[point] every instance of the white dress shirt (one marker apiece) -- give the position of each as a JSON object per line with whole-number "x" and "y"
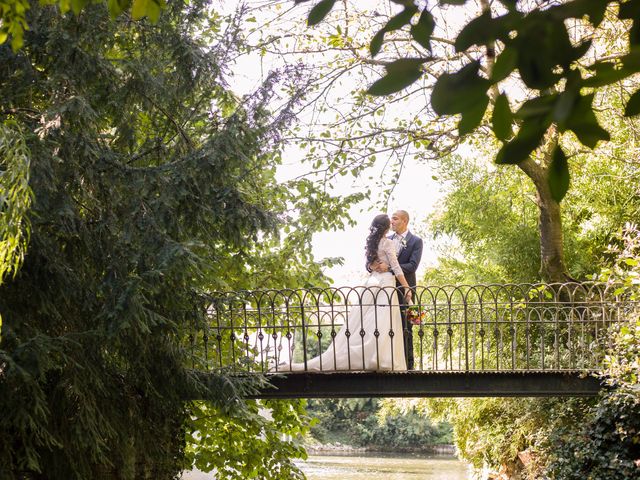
{"x": 397, "y": 241}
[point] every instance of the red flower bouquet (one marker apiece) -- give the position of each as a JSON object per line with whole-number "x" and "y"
{"x": 416, "y": 314}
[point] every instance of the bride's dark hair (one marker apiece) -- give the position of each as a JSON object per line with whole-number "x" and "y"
{"x": 378, "y": 228}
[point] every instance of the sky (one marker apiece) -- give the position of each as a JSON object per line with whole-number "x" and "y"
{"x": 416, "y": 192}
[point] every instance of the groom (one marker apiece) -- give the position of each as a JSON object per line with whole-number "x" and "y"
{"x": 409, "y": 250}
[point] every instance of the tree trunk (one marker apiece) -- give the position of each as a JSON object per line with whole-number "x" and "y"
{"x": 552, "y": 264}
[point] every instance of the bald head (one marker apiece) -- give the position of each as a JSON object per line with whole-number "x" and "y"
{"x": 404, "y": 214}
{"x": 400, "y": 221}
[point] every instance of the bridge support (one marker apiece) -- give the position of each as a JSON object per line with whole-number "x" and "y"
{"x": 425, "y": 384}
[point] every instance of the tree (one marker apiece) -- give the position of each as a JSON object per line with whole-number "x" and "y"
{"x": 497, "y": 243}
{"x": 366, "y": 422}
{"x": 16, "y": 198}
{"x": 533, "y": 39}
{"x": 558, "y": 72}
{"x": 550, "y": 46}
{"x": 152, "y": 184}
{"x": 607, "y": 443}
{"x": 247, "y": 443}
{"x": 13, "y": 14}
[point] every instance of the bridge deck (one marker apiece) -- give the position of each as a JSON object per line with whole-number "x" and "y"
{"x": 426, "y": 384}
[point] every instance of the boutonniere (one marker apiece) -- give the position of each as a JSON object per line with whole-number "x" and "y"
{"x": 403, "y": 243}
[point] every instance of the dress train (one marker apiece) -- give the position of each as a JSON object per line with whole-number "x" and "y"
{"x": 370, "y": 339}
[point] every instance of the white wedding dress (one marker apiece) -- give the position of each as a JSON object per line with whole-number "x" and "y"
{"x": 372, "y": 336}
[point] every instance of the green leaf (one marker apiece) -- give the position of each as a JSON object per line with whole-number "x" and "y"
{"x": 505, "y": 64}
{"x": 319, "y": 11}
{"x": 471, "y": 117}
{"x": 484, "y": 29}
{"x": 401, "y": 19}
{"x": 595, "y": 9}
{"x": 581, "y": 49}
{"x": 537, "y": 107}
{"x": 634, "y": 32}
{"x": 633, "y": 105}
{"x": 481, "y": 30}
{"x": 527, "y": 140}
{"x": 542, "y": 45}
{"x": 456, "y": 92}
{"x": 453, "y": 2}
{"x": 502, "y": 118}
{"x": 631, "y": 61}
{"x": 606, "y": 72}
{"x": 629, "y": 10}
{"x": 17, "y": 40}
{"x": 477, "y": 32}
{"x": 393, "y": 82}
{"x": 116, "y": 7}
{"x": 510, "y": 4}
{"x": 558, "y": 178}
{"x": 559, "y": 47}
{"x": 139, "y": 9}
{"x": 64, "y": 5}
{"x": 564, "y": 106}
{"x": 395, "y": 23}
{"x": 376, "y": 43}
{"x": 154, "y": 8}
{"x": 400, "y": 74}
{"x": 422, "y": 31}
{"x": 3, "y": 37}
{"x": 584, "y": 124}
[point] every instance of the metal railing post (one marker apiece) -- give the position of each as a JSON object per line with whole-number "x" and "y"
{"x": 466, "y": 333}
{"x": 304, "y": 335}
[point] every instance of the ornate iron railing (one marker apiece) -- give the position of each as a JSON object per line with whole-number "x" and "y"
{"x": 468, "y": 328}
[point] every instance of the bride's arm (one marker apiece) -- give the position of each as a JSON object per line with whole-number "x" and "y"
{"x": 390, "y": 251}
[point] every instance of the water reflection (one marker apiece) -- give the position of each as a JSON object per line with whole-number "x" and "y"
{"x": 379, "y": 467}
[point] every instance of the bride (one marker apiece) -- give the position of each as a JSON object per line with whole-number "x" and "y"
{"x": 372, "y": 336}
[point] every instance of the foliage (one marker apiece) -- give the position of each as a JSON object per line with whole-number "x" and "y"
{"x": 607, "y": 445}
{"x": 247, "y": 444}
{"x": 375, "y": 138}
{"x": 499, "y": 242}
{"x": 596, "y": 438}
{"x": 624, "y": 266}
{"x": 491, "y": 244}
{"x": 152, "y": 186}
{"x": 348, "y": 138}
{"x": 491, "y": 431}
{"x": 13, "y": 14}
{"x": 15, "y": 198}
{"x": 366, "y": 422}
{"x": 539, "y": 42}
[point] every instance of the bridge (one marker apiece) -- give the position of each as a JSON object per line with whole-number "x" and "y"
{"x": 468, "y": 340}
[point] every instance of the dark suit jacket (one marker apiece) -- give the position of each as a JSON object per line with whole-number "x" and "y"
{"x": 409, "y": 257}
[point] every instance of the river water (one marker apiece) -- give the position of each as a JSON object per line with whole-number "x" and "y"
{"x": 372, "y": 467}
{"x": 384, "y": 467}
